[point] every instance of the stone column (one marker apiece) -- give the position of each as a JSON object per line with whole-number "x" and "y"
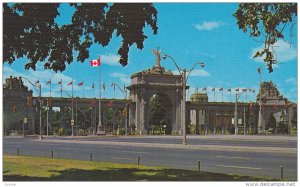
{"x": 137, "y": 114}
{"x": 197, "y": 122}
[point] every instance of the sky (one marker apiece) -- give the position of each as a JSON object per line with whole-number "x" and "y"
{"x": 189, "y": 33}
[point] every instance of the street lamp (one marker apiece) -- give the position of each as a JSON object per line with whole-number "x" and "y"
{"x": 184, "y": 81}
{"x": 237, "y": 96}
{"x": 125, "y": 96}
{"x": 72, "y": 121}
{"x": 40, "y": 102}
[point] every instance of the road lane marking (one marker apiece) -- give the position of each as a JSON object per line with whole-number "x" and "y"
{"x": 118, "y": 158}
{"x": 234, "y": 157}
{"x": 134, "y": 152}
{"x": 238, "y": 167}
{"x": 65, "y": 148}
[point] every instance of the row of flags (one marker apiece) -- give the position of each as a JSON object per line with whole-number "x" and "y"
{"x": 82, "y": 83}
{"x": 229, "y": 89}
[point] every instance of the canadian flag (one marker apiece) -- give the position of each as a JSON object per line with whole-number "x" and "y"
{"x": 95, "y": 62}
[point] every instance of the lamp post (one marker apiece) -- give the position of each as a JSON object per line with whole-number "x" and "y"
{"x": 40, "y": 102}
{"x": 125, "y": 97}
{"x": 237, "y": 96}
{"x": 72, "y": 120}
{"x": 185, "y": 77}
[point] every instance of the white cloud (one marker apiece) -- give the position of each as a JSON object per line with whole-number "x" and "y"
{"x": 110, "y": 59}
{"x": 283, "y": 51}
{"x": 123, "y": 77}
{"x": 209, "y": 25}
{"x": 291, "y": 80}
{"x": 43, "y": 76}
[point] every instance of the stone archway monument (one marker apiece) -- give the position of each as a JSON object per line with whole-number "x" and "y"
{"x": 147, "y": 83}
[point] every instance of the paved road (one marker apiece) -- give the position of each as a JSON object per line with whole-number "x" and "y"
{"x": 229, "y": 159}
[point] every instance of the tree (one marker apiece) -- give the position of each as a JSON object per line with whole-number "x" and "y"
{"x": 30, "y": 30}
{"x": 157, "y": 111}
{"x": 271, "y": 124}
{"x": 266, "y": 20}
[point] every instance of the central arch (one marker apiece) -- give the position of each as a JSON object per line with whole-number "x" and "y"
{"x": 143, "y": 86}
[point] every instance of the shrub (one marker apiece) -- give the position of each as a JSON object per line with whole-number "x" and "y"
{"x": 82, "y": 132}
{"x": 61, "y": 132}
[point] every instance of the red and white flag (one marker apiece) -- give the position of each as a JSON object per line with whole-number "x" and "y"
{"x": 95, "y": 63}
{"x": 80, "y": 84}
{"x": 70, "y": 83}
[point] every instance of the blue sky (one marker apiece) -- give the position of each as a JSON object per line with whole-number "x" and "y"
{"x": 189, "y": 32}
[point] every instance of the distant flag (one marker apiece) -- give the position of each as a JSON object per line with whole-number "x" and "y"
{"x": 204, "y": 89}
{"x": 244, "y": 90}
{"x": 237, "y": 89}
{"x": 91, "y": 103}
{"x": 59, "y": 82}
{"x": 95, "y": 63}
{"x": 229, "y": 90}
{"x": 93, "y": 85}
{"x": 80, "y": 84}
{"x": 49, "y": 82}
{"x": 110, "y": 104}
{"x": 250, "y": 105}
{"x": 103, "y": 86}
{"x": 37, "y": 82}
{"x": 221, "y": 89}
{"x": 258, "y": 70}
{"x": 70, "y": 83}
{"x": 213, "y": 89}
{"x": 253, "y": 90}
{"x": 112, "y": 84}
{"x": 196, "y": 90}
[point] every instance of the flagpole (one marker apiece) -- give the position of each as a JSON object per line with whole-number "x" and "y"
{"x": 72, "y": 123}
{"x": 99, "y": 124}
{"x": 50, "y": 87}
{"x": 61, "y": 88}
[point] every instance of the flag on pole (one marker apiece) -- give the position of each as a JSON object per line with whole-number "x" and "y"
{"x": 91, "y": 103}
{"x": 37, "y": 82}
{"x": 204, "y": 89}
{"x": 213, "y": 89}
{"x": 258, "y": 70}
{"x": 49, "y": 82}
{"x": 110, "y": 104}
{"x": 95, "y": 63}
{"x": 59, "y": 82}
{"x": 237, "y": 89}
{"x": 70, "y": 83}
{"x": 80, "y": 84}
{"x": 104, "y": 86}
{"x": 229, "y": 90}
{"x": 93, "y": 85}
{"x": 244, "y": 90}
{"x": 221, "y": 89}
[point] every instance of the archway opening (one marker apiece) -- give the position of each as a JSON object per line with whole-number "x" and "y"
{"x": 160, "y": 115}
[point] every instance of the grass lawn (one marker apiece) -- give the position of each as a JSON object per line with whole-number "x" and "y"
{"x": 27, "y": 168}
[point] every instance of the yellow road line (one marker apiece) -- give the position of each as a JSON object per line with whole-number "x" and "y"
{"x": 234, "y": 157}
{"x": 238, "y": 167}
